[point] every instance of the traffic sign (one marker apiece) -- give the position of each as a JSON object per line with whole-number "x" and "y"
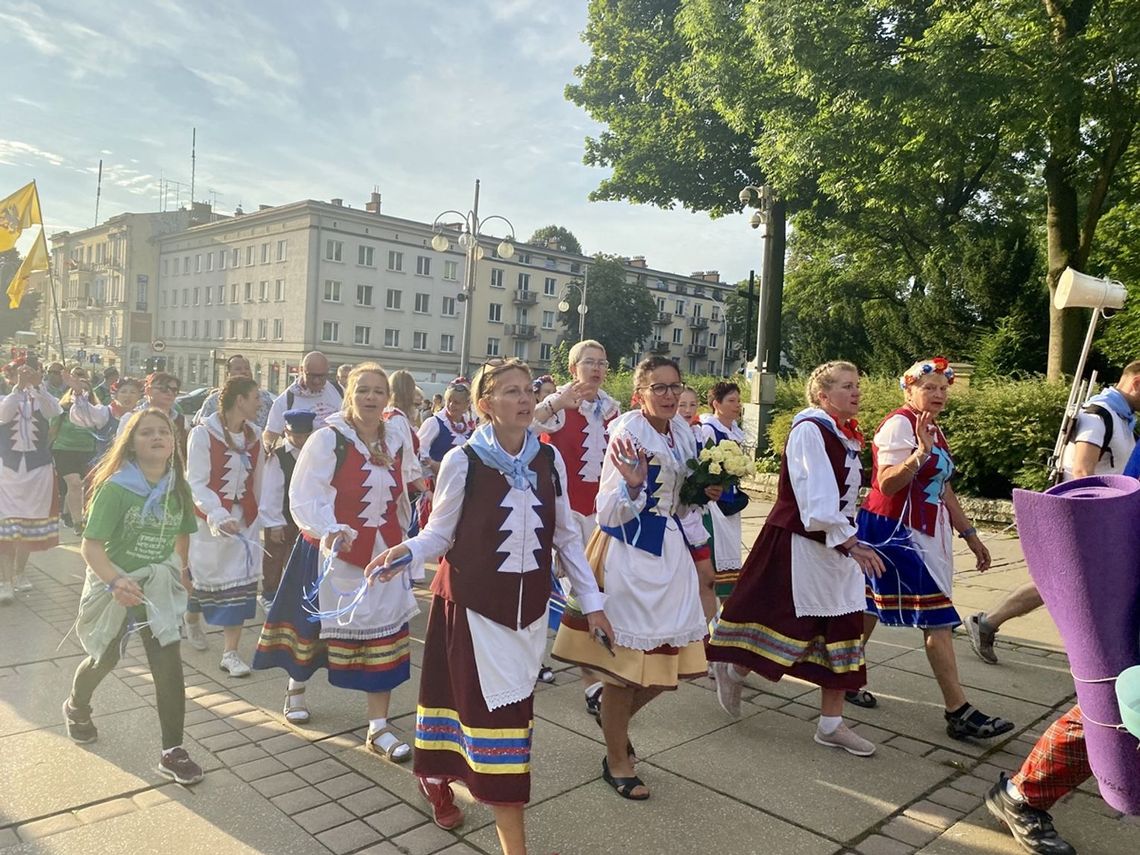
{"x": 158, "y": 345}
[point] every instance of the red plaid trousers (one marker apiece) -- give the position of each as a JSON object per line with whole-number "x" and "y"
{"x": 1058, "y": 763}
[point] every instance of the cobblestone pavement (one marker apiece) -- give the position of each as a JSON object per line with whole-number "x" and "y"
{"x": 758, "y": 784}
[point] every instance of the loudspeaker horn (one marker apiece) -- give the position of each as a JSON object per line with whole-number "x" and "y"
{"x": 1076, "y": 290}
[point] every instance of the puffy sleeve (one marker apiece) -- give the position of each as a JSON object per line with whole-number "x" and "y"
{"x": 436, "y": 537}
{"x": 272, "y": 502}
{"x": 614, "y": 505}
{"x": 9, "y": 407}
{"x": 555, "y": 422}
{"x": 87, "y": 415}
{"x": 410, "y": 469}
{"x": 813, "y": 482}
{"x": 49, "y": 405}
{"x": 311, "y": 493}
{"x": 198, "y": 474}
{"x": 895, "y": 441}
{"x": 427, "y": 433}
{"x": 568, "y": 544}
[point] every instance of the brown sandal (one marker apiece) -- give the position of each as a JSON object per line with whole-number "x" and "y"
{"x": 390, "y": 753}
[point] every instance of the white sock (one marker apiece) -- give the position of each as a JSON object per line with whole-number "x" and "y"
{"x": 828, "y": 724}
{"x": 296, "y": 684}
{"x": 593, "y": 687}
{"x": 166, "y": 751}
{"x": 435, "y": 781}
{"x": 1012, "y": 791}
{"x": 736, "y": 676}
{"x": 385, "y": 740}
{"x": 375, "y": 724}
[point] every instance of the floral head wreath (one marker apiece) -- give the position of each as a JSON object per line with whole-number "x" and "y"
{"x": 460, "y": 383}
{"x": 937, "y": 365}
{"x": 537, "y": 384}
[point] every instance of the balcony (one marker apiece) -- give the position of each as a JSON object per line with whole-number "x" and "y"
{"x": 526, "y": 298}
{"x": 523, "y": 331}
{"x": 698, "y": 323}
{"x": 697, "y": 350}
{"x": 663, "y": 319}
{"x": 659, "y": 346}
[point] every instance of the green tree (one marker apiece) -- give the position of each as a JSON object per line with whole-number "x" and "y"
{"x": 741, "y": 323}
{"x": 620, "y": 313}
{"x": 21, "y": 318}
{"x": 566, "y": 241}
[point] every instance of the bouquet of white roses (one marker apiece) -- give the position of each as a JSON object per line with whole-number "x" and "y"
{"x": 718, "y": 464}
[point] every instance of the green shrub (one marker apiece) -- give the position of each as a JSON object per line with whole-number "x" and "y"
{"x": 620, "y": 385}
{"x": 1001, "y": 432}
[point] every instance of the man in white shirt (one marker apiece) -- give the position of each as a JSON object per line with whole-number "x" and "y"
{"x": 236, "y": 366}
{"x": 311, "y": 391}
{"x": 1102, "y": 441}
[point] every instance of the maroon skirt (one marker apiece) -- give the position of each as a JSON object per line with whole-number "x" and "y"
{"x": 758, "y": 628}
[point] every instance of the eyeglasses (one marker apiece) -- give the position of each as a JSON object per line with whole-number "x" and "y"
{"x": 659, "y": 390}
{"x": 595, "y": 363}
{"x": 173, "y": 390}
{"x": 311, "y": 376}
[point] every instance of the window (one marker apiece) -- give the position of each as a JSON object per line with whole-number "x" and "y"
{"x": 492, "y": 347}
{"x": 219, "y": 329}
{"x": 395, "y": 260}
{"x": 282, "y": 247}
{"x": 524, "y": 258}
{"x": 365, "y": 256}
{"x": 680, "y": 308}
{"x": 330, "y": 331}
{"x": 166, "y": 267}
{"x": 447, "y": 307}
{"x": 545, "y": 351}
{"x": 234, "y": 292}
{"x": 496, "y": 277}
{"x": 451, "y": 270}
{"x": 520, "y": 350}
{"x": 278, "y": 329}
{"x": 209, "y": 261}
{"x": 712, "y": 339}
{"x": 209, "y": 296}
{"x": 447, "y": 343}
{"x": 235, "y": 257}
{"x": 221, "y": 259}
{"x": 697, "y": 310}
{"x": 495, "y": 313}
{"x": 185, "y": 261}
{"x": 419, "y": 341}
{"x": 332, "y": 291}
{"x": 185, "y": 296}
{"x": 393, "y": 300}
{"x": 247, "y": 329}
{"x": 423, "y": 302}
{"x": 716, "y": 313}
{"x": 162, "y": 298}
{"x": 524, "y": 281}
{"x": 184, "y": 325}
{"x": 162, "y": 328}
{"x": 334, "y": 249}
{"x": 262, "y": 329}
{"x": 364, "y": 295}
{"x": 265, "y": 253}
{"x": 221, "y": 295}
{"x": 263, "y": 290}
{"x": 548, "y": 320}
{"x": 233, "y": 327}
{"x": 677, "y": 333}
{"x": 661, "y": 304}
{"x": 423, "y": 265}
{"x": 197, "y": 295}
{"x": 362, "y": 334}
{"x": 249, "y": 292}
{"x": 249, "y": 256}
{"x": 549, "y": 286}
{"x": 279, "y": 290}
{"x": 391, "y": 338}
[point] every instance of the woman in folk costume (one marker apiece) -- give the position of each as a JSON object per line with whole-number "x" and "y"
{"x": 103, "y": 419}
{"x": 722, "y": 518}
{"x": 447, "y": 429}
{"x": 399, "y": 416}
{"x": 500, "y": 511}
{"x": 29, "y": 503}
{"x": 72, "y": 450}
{"x": 797, "y": 609}
{"x": 348, "y": 499}
{"x": 688, "y": 408}
{"x": 224, "y": 467}
{"x": 280, "y": 531}
{"x": 159, "y": 392}
{"x": 136, "y": 545}
{"x": 910, "y": 517}
{"x": 649, "y": 548}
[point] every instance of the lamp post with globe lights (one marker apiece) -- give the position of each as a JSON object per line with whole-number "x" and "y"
{"x": 468, "y": 241}
{"x": 583, "y": 307}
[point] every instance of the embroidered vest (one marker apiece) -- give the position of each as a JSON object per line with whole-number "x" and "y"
{"x": 785, "y": 512}
{"x": 221, "y": 457}
{"x": 571, "y": 444}
{"x": 469, "y": 574}
{"x": 444, "y": 440}
{"x": 921, "y": 498}
{"x": 39, "y": 455}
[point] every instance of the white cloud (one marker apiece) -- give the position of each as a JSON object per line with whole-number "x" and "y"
{"x": 17, "y": 153}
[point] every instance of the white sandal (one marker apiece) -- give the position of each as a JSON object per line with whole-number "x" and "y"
{"x": 296, "y": 713}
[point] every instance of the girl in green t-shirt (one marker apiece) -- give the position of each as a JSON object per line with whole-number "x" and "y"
{"x": 136, "y": 545}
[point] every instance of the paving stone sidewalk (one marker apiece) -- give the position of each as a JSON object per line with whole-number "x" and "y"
{"x": 758, "y": 784}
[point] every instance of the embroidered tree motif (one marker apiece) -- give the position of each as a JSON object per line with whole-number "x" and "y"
{"x": 593, "y": 450}
{"x": 521, "y": 528}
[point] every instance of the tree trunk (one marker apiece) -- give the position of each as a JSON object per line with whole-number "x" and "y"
{"x": 1063, "y": 249}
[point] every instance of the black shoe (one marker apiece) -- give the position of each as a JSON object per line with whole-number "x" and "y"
{"x": 1030, "y": 827}
{"x": 79, "y": 726}
{"x": 177, "y": 765}
{"x": 594, "y": 703}
{"x": 861, "y": 698}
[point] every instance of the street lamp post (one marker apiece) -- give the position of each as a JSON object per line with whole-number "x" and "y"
{"x": 583, "y": 306}
{"x": 469, "y": 242}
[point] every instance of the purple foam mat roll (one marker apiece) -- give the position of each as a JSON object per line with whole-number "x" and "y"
{"x": 1081, "y": 541}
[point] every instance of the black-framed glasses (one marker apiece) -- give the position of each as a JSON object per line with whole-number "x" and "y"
{"x": 659, "y": 390}
{"x": 171, "y": 389}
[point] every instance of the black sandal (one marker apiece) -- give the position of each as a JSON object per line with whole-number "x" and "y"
{"x": 624, "y": 787}
{"x": 545, "y": 674}
{"x": 971, "y": 722}
{"x": 629, "y": 749}
{"x": 861, "y": 698}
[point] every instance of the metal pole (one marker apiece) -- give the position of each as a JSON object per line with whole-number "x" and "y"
{"x": 748, "y": 308}
{"x": 469, "y": 285}
{"x": 55, "y": 304}
{"x": 583, "y": 307}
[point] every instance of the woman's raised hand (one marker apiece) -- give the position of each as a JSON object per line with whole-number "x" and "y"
{"x": 629, "y": 461}
{"x": 924, "y": 433}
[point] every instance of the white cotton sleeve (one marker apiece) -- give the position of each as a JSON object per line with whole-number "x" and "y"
{"x": 1089, "y": 428}
{"x": 275, "y": 423}
{"x": 813, "y": 482}
{"x": 198, "y": 474}
{"x": 568, "y": 544}
{"x": 613, "y": 504}
{"x": 895, "y": 441}
{"x": 272, "y": 496}
{"x": 87, "y": 415}
{"x": 436, "y": 537}
{"x": 49, "y": 405}
{"x": 311, "y": 494}
{"x": 554, "y": 422}
{"x": 427, "y": 433}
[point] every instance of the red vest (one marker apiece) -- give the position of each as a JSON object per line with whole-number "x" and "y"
{"x": 922, "y": 497}
{"x": 570, "y": 444}
{"x": 219, "y": 461}
{"x": 785, "y": 512}
{"x": 469, "y": 574}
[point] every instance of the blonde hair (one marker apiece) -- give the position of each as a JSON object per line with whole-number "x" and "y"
{"x": 122, "y": 451}
{"x": 380, "y": 447}
{"x": 577, "y": 350}
{"x": 402, "y": 386}
{"x": 822, "y": 378}
{"x": 487, "y": 375}
{"x": 453, "y": 390}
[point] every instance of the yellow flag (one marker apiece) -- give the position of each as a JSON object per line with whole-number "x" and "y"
{"x": 36, "y": 260}
{"x": 17, "y": 212}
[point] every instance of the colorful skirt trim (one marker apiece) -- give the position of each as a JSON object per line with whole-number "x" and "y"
{"x": 758, "y": 628}
{"x": 231, "y": 607}
{"x": 906, "y": 594}
{"x": 457, "y": 737}
{"x": 661, "y": 668}
{"x": 31, "y": 535}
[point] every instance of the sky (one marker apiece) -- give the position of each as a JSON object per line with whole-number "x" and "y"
{"x": 321, "y": 100}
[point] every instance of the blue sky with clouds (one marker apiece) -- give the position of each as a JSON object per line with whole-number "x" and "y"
{"x": 324, "y": 99}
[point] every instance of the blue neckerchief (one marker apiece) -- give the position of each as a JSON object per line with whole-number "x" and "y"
{"x": 131, "y": 478}
{"x": 517, "y": 469}
{"x": 1133, "y": 467}
{"x": 1114, "y": 400}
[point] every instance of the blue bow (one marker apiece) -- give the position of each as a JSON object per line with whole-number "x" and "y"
{"x": 517, "y": 469}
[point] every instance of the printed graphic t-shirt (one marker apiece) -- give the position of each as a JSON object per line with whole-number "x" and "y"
{"x": 132, "y": 542}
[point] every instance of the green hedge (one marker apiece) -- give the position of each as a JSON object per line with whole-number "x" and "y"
{"x": 620, "y": 385}
{"x": 1001, "y": 432}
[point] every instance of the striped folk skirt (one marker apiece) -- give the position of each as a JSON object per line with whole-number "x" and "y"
{"x": 291, "y": 637}
{"x": 457, "y": 737}
{"x": 34, "y": 491}
{"x": 231, "y": 607}
{"x": 758, "y": 628}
